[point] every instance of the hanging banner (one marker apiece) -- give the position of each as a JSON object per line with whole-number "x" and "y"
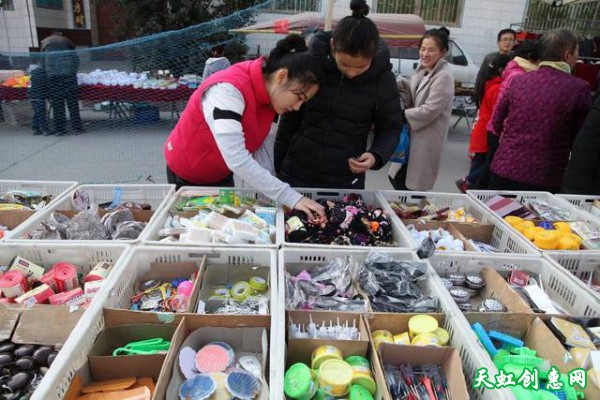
{"x": 78, "y": 14}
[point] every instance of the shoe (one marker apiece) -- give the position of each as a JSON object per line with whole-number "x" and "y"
{"x": 462, "y": 185}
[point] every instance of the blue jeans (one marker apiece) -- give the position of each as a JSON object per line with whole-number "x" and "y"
{"x": 39, "y": 122}
{"x": 477, "y": 164}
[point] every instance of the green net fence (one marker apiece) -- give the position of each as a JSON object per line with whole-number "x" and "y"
{"x": 102, "y": 114}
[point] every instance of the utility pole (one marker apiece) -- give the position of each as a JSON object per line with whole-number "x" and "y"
{"x": 329, "y": 16}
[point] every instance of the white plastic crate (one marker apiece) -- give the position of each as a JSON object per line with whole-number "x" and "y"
{"x": 119, "y": 289}
{"x": 150, "y": 234}
{"x": 55, "y": 188}
{"x": 482, "y": 196}
{"x": 580, "y": 264}
{"x": 582, "y": 202}
{"x": 502, "y": 238}
{"x": 156, "y": 195}
{"x": 399, "y": 231}
{"x": 462, "y": 338}
{"x": 85, "y": 257}
{"x": 570, "y": 293}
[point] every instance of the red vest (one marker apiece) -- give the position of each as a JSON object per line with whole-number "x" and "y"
{"x": 191, "y": 151}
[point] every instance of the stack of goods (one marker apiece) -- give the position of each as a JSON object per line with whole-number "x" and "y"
{"x": 417, "y": 382}
{"x": 330, "y": 376}
{"x": 214, "y": 371}
{"x": 17, "y": 82}
{"x": 28, "y": 200}
{"x": 350, "y": 221}
{"x": 23, "y": 366}
{"x": 161, "y": 79}
{"x": 328, "y": 287}
{"x": 524, "y": 367}
{"x": 393, "y": 286}
{"x": 324, "y": 332}
{"x": 249, "y": 297}
{"x": 117, "y": 223}
{"x": 29, "y": 284}
{"x": 225, "y": 218}
{"x": 155, "y": 295}
{"x": 442, "y": 239}
{"x": 531, "y": 290}
{"x": 425, "y": 211}
{"x": 423, "y": 330}
{"x": 114, "y": 389}
{"x": 548, "y": 227}
{"x": 463, "y": 288}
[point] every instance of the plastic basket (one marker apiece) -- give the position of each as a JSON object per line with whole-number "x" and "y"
{"x": 150, "y": 234}
{"x": 581, "y": 201}
{"x": 582, "y": 265}
{"x": 577, "y": 215}
{"x": 156, "y": 195}
{"x": 120, "y": 285}
{"x": 502, "y": 238}
{"x": 571, "y": 294}
{"x": 55, "y": 188}
{"x": 84, "y": 257}
{"x": 473, "y": 357}
{"x": 399, "y": 231}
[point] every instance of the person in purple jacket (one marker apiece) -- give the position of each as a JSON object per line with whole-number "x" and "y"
{"x": 538, "y": 118}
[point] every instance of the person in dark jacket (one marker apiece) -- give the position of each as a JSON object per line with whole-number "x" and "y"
{"x": 324, "y": 144}
{"x": 583, "y": 172}
{"x": 61, "y": 70}
{"x": 37, "y": 97}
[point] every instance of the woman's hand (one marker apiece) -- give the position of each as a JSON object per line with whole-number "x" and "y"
{"x": 362, "y": 164}
{"x": 309, "y": 207}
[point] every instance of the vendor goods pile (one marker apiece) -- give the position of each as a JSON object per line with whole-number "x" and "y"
{"x": 225, "y": 218}
{"x": 425, "y": 211}
{"x": 350, "y": 221}
{"x": 24, "y": 200}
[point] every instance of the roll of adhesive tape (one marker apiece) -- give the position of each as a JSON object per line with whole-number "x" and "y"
{"x": 382, "y": 333}
{"x": 258, "y": 284}
{"x": 324, "y": 353}
{"x": 421, "y": 324}
{"x": 13, "y": 284}
{"x": 241, "y": 290}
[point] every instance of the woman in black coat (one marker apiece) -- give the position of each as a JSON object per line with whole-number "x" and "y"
{"x": 325, "y": 143}
{"x": 583, "y": 172}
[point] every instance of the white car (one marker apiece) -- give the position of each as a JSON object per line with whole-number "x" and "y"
{"x": 406, "y": 59}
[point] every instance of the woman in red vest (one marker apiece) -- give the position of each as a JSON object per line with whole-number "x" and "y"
{"x": 229, "y": 116}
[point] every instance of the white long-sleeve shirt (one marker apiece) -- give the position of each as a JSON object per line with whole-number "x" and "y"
{"x": 223, "y": 106}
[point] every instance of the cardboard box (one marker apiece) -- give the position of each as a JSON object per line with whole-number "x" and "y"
{"x": 302, "y": 347}
{"x": 46, "y": 325}
{"x": 13, "y": 218}
{"x": 104, "y": 366}
{"x": 447, "y": 357}
{"x": 192, "y": 333}
{"x": 300, "y": 350}
{"x": 226, "y": 275}
{"x": 537, "y": 336}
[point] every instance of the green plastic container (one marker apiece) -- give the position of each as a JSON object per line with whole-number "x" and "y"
{"x": 360, "y": 393}
{"x": 300, "y": 382}
{"x": 358, "y": 361}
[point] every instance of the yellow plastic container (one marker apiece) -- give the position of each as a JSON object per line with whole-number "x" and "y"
{"x": 547, "y": 240}
{"x": 421, "y": 324}
{"x": 426, "y": 339}
{"x": 524, "y": 226}
{"x": 363, "y": 376}
{"x": 442, "y": 335}
{"x": 335, "y": 377}
{"x": 563, "y": 227}
{"x": 382, "y": 339}
{"x": 531, "y": 232}
{"x": 567, "y": 243}
{"x": 513, "y": 221}
{"x": 382, "y": 333}
{"x": 324, "y": 353}
{"x": 402, "y": 338}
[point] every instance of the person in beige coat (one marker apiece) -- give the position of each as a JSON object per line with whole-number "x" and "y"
{"x": 428, "y": 109}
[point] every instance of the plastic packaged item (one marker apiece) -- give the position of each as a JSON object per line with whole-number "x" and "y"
{"x": 200, "y": 387}
{"x": 258, "y": 284}
{"x": 65, "y": 276}
{"x": 402, "y": 338}
{"x": 254, "y": 220}
{"x": 324, "y": 353}
{"x": 241, "y": 290}
{"x": 335, "y": 377}
{"x": 268, "y": 214}
{"x": 242, "y": 384}
{"x": 212, "y": 358}
{"x": 425, "y": 339}
{"x": 13, "y": 284}
{"x": 421, "y": 324}
{"x": 300, "y": 382}
{"x": 216, "y": 221}
{"x": 241, "y": 230}
{"x": 99, "y": 272}
{"x": 39, "y": 295}
{"x": 196, "y": 234}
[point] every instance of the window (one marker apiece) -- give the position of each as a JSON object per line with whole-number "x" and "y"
{"x": 7, "y": 5}
{"x": 435, "y": 12}
{"x": 54, "y": 4}
{"x": 455, "y": 55}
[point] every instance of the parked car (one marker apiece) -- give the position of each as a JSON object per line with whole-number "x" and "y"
{"x": 406, "y": 59}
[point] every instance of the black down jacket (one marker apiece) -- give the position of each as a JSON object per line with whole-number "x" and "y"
{"x": 314, "y": 144}
{"x": 583, "y": 173}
